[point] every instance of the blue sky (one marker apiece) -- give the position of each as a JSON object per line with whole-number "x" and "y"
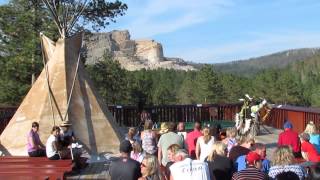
{"x": 211, "y": 31}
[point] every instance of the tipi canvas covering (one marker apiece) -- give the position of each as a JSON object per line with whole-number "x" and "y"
{"x": 72, "y": 99}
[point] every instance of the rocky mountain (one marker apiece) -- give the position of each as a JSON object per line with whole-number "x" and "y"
{"x": 148, "y": 54}
{"x": 277, "y": 61}
{"x": 132, "y": 54}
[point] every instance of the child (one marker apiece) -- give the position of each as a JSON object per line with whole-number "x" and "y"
{"x": 231, "y": 141}
{"x": 136, "y": 152}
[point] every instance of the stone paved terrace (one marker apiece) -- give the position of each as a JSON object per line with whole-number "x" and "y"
{"x": 99, "y": 170}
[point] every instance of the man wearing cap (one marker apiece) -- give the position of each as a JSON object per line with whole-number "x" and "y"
{"x": 253, "y": 170}
{"x": 260, "y": 149}
{"x": 290, "y": 138}
{"x": 66, "y": 135}
{"x": 125, "y": 168}
{"x": 167, "y": 139}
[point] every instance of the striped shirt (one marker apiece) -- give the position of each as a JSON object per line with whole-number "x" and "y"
{"x": 251, "y": 173}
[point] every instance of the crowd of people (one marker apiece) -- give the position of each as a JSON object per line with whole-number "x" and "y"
{"x": 172, "y": 153}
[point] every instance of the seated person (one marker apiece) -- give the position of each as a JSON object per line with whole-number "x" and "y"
{"x": 308, "y": 150}
{"x": 137, "y": 153}
{"x": 290, "y": 138}
{"x": 66, "y": 134}
{"x": 132, "y": 135}
{"x": 283, "y": 161}
{"x": 315, "y": 172}
{"x": 52, "y": 144}
{"x": 34, "y": 145}
{"x": 287, "y": 175}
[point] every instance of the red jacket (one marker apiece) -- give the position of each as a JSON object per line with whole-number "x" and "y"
{"x": 290, "y": 138}
{"x": 311, "y": 151}
{"x": 191, "y": 140}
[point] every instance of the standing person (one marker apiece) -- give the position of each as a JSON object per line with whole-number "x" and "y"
{"x": 149, "y": 168}
{"x": 290, "y": 138}
{"x": 132, "y": 135}
{"x": 144, "y": 116}
{"x": 192, "y": 139}
{"x": 242, "y": 149}
{"x": 136, "y": 153}
{"x": 204, "y": 144}
{"x": 181, "y": 130}
{"x": 149, "y": 139}
{"x": 231, "y": 140}
{"x": 253, "y": 170}
{"x": 165, "y": 141}
{"x": 172, "y": 150}
{"x": 125, "y": 168}
{"x": 308, "y": 151}
{"x": 312, "y": 130}
{"x": 283, "y": 160}
{"x": 34, "y": 144}
{"x": 220, "y": 167}
{"x": 185, "y": 168}
{"x": 52, "y": 144}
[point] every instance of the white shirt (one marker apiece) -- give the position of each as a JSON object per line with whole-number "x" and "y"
{"x": 49, "y": 147}
{"x": 205, "y": 148}
{"x": 189, "y": 169}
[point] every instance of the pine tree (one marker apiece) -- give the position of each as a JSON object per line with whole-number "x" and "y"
{"x": 209, "y": 88}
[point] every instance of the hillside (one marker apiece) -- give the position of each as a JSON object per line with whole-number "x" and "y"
{"x": 276, "y": 60}
{"x": 131, "y": 54}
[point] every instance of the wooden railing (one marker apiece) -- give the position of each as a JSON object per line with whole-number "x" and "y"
{"x": 129, "y": 115}
{"x": 298, "y": 116}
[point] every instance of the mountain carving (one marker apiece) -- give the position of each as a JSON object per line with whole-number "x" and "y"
{"x": 132, "y": 54}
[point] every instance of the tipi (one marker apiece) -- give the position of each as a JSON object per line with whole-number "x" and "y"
{"x": 62, "y": 92}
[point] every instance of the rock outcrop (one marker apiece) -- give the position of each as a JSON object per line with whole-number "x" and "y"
{"x": 132, "y": 54}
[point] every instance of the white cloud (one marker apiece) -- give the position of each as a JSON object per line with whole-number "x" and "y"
{"x": 261, "y": 44}
{"x": 164, "y": 16}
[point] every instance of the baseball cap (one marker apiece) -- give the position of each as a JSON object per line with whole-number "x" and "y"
{"x": 287, "y": 125}
{"x": 252, "y": 157}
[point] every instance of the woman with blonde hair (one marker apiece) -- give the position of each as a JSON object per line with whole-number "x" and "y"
{"x": 284, "y": 161}
{"x": 204, "y": 144}
{"x": 149, "y": 168}
{"x": 220, "y": 167}
{"x": 230, "y": 141}
{"x": 312, "y": 130}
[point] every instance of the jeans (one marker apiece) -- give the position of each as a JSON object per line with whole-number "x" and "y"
{"x": 37, "y": 153}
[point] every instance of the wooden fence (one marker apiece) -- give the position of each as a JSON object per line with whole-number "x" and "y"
{"x": 299, "y": 116}
{"x": 129, "y": 115}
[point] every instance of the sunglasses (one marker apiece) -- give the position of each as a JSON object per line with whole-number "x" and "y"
{"x": 143, "y": 165}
